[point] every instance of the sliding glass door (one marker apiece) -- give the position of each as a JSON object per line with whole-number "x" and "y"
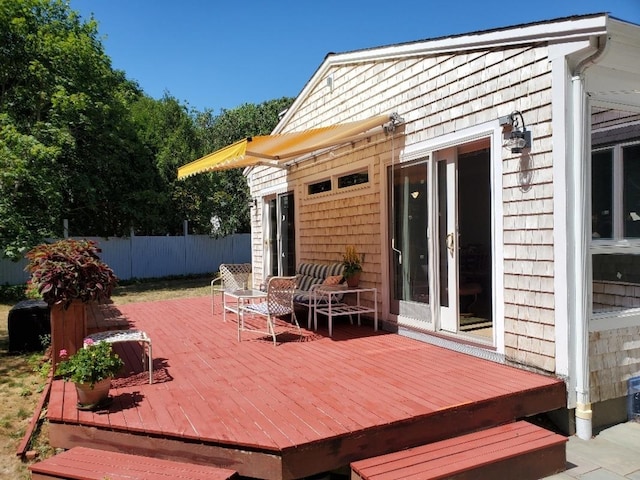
{"x": 440, "y": 240}
{"x": 409, "y": 257}
{"x": 280, "y": 250}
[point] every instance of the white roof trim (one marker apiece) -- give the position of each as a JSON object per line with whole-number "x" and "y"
{"x": 569, "y": 30}
{"x": 566, "y": 30}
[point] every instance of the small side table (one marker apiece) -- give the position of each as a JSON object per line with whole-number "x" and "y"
{"x": 331, "y": 309}
{"x": 241, "y": 297}
{"x": 116, "y": 336}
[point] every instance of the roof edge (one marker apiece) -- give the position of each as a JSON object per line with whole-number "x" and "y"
{"x": 557, "y": 30}
{"x": 570, "y": 28}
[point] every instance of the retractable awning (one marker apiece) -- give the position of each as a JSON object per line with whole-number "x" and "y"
{"x": 275, "y": 150}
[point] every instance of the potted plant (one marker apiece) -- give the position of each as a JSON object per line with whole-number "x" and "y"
{"x": 67, "y": 274}
{"x": 91, "y": 369}
{"x": 352, "y": 266}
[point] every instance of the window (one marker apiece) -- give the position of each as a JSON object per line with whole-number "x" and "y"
{"x": 616, "y": 282}
{"x": 602, "y": 194}
{"x": 615, "y": 210}
{"x": 353, "y": 179}
{"x": 319, "y": 187}
{"x": 340, "y": 182}
{"x": 615, "y": 198}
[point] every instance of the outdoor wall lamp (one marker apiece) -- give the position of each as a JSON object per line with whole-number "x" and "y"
{"x": 519, "y": 137}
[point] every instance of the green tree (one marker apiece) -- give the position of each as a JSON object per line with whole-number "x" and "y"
{"x": 66, "y": 119}
{"x": 167, "y": 132}
{"x": 29, "y": 189}
{"x": 79, "y": 141}
{"x": 39, "y": 41}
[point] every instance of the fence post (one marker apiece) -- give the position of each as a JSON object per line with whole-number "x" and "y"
{"x": 185, "y": 234}
{"x": 65, "y": 228}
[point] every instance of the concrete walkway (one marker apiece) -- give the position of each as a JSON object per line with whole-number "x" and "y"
{"x": 613, "y": 454}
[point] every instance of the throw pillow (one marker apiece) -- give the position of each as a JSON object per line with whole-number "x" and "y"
{"x": 333, "y": 280}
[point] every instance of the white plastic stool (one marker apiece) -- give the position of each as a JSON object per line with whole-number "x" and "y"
{"x": 116, "y": 336}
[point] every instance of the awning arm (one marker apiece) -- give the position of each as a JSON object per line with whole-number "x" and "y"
{"x": 395, "y": 120}
{"x": 281, "y": 166}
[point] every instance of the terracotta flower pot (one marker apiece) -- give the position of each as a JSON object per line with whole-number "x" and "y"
{"x": 354, "y": 280}
{"x": 89, "y": 398}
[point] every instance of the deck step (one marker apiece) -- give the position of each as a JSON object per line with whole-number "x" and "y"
{"x": 515, "y": 450}
{"x": 82, "y": 463}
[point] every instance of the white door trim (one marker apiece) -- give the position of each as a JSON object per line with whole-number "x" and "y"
{"x": 493, "y": 131}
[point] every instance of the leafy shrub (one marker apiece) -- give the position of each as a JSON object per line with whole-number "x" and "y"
{"x": 69, "y": 270}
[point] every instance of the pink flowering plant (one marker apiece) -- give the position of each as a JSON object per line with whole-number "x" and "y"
{"x": 95, "y": 362}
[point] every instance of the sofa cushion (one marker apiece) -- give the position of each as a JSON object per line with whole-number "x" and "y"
{"x": 314, "y": 273}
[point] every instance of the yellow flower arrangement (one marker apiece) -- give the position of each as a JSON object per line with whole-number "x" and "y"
{"x": 351, "y": 262}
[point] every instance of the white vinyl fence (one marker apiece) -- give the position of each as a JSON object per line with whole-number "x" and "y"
{"x": 155, "y": 257}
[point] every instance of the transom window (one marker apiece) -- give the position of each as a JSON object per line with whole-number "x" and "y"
{"x": 319, "y": 187}
{"x": 353, "y": 179}
{"x": 342, "y": 181}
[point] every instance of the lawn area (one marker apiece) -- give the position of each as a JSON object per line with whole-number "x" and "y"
{"x": 22, "y": 377}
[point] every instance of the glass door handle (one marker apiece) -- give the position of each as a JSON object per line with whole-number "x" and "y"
{"x": 450, "y": 244}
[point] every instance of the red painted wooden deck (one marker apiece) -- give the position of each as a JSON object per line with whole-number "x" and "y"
{"x": 291, "y": 410}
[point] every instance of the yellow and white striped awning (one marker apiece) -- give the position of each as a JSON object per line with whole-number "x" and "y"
{"x": 277, "y": 149}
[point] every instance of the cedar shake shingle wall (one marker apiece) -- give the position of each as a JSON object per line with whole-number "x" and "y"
{"x": 437, "y": 95}
{"x": 614, "y": 357}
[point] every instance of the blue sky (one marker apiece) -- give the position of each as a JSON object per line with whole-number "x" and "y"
{"x": 220, "y": 54}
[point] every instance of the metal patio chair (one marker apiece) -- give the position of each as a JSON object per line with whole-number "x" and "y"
{"x": 278, "y": 303}
{"x": 232, "y": 276}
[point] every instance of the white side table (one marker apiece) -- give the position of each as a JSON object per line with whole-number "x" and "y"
{"x": 331, "y": 309}
{"x": 233, "y": 300}
{"x": 116, "y": 336}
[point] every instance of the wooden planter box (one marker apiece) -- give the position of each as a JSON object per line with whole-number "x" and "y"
{"x": 68, "y": 329}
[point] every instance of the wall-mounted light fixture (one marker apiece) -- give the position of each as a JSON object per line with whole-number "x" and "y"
{"x": 253, "y": 203}
{"x": 519, "y": 137}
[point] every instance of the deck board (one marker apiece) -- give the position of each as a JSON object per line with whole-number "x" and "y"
{"x": 321, "y": 402}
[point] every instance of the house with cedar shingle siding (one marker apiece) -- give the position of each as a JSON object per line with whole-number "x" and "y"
{"x": 494, "y": 197}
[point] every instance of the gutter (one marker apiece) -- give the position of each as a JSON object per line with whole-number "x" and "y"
{"x": 580, "y": 176}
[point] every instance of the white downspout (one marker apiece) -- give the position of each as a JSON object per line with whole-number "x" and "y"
{"x": 580, "y": 251}
{"x": 584, "y": 426}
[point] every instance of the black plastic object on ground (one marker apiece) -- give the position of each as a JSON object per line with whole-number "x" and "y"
{"x": 28, "y": 322}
